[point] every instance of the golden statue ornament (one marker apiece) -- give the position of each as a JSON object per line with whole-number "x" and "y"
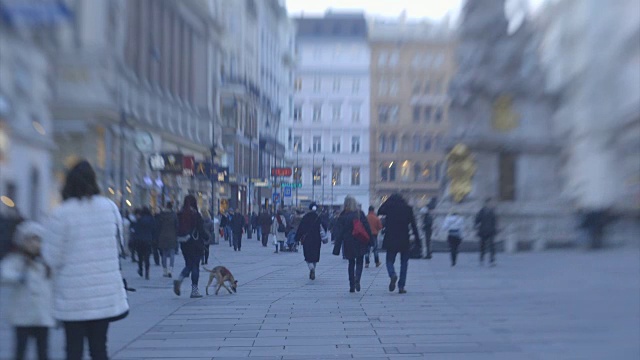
{"x": 460, "y": 171}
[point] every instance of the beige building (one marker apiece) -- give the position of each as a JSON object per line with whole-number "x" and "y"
{"x": 411, "y": 66}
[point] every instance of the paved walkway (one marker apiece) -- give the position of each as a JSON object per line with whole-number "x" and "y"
{"x": 553, "y": 305}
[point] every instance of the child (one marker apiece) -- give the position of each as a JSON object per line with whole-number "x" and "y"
{"x": 30, "y": 307}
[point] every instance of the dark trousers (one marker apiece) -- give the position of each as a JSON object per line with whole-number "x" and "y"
{"x": 265, "y": 238}
{"x": 427, "y": 236}
{"x": 39, "y": 333}
{"x": 373, "y": 247}
{"x": 191, "y": 266}
{"x": 484, "y": 241}
{"x": 454, "y": 242}
{"x": 355, "y": 269}
{"x": 144, "y": 252}
{"x": 156, "y": 254}
{"x": 95, "y": 331}
{"x": 237, "y": 240}
{"x": 205, "y": 257}
{"x": 404, "y": 266}
{"x": 132, "y": 249}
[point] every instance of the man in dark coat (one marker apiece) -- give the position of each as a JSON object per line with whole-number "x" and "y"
{"x": 486, "y": 225}
{"x": 308, "y": 234}
{"x": 264, "y": 224}
{"x": 237, "y": 228}
{"x": 399, "y": 215}
{"x": 167, "y": 225}
{"x": 427, "y": 226}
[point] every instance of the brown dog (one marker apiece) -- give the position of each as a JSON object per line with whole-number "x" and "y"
{"x": 222, "y": 275}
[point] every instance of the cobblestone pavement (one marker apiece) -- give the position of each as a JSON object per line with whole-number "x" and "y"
{"x": 551, "y": 305}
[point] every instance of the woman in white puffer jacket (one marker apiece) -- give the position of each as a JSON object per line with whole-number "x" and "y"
{"x": 82, "y": 249}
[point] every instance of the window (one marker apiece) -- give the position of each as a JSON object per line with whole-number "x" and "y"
{"x": 437, "y": 140}
{"x": 387, "y": 113}
{"x": 297, "y": 143}
{"x": 297, "y": 113}
{"x": 416, "y": 62}
{"x": 388, "y": 171}
{"x": 355, "y": 144}
{"x": 427, "y": 143}
{"x": 437, "y": 115}
{"x": 382, "y": 144}
{"x": 405, "y": 171}
{"x": 438, "y": 60}
{"x": 507, "y": 180}
{"x": 336, "y": 112}
{"x": 427, "y": 113}
{"x": 317, "y": 175}
{"x": 416, "y": 143}
{"x": 355, "y": 86}
{"x": 406, "y": 143}
{"x": 336, "y": 175}
{"x": 336, "y": 85}
{"x": 427, "y": 173}
{"x": 392, "y": 143}
{"x": 416, "y": 114}
{"x": 298, "y": 84}
{"x": 393, "y": 59}
{"x": 317, "y": 113}
{"x": 317, "y": 84}
{"x": 426, "y": 85}
{"x": 417, "y": 85}
{"x": 382, "y": 59}
{"x": 297, "y": 175}
{"x": 355, "y": 113}
{"x": 393, "y": 88}
{"x": 417, "y": 172}
{"x": 317, "y": 144}
{"x": 335, "y": 145}
{"x": 438, "y": 171}
{"x": 383, "y": 87}
{"x": 355, "y": 176}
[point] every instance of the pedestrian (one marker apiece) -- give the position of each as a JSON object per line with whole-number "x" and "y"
{"x": 81, "y": 246}
{"x": 294, "y": 225}
{"x": 210, "y": 227}
{"x": 167, "y": 222}
{"x": 427, "y": 227}
{"x": 254, "y": 224}
{"x": 144, "y": 230}
{"x": 237, "y": 229}
{"x": 280, "y": 224}
{"x": 453, "y": 226}
{"x": 264, "y": 226}
{"x": 191, "y": 235}
{"x": 486, "y": 225}
{"x": 131, "y": 243}
{"x": 225, "y": 225}
{"x": 310, "y": 234}
{"x": 353, "y": 248}
{"x": 398, "y": 217}
{"x": 30, "y": 305}
{"x": 376, "y": 225}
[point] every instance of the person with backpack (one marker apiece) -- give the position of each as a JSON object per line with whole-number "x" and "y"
{"x": 280, "y": 224}
{"x": 398, "y": 218}
{"x": 167, "y": 222}
{"x": 191, "y": 235}
{"x": 310, "y": 233}
{"x": 353, "y": 235}
{"x": 30, "y": 306}
{"x": 144, "y": 230}
{"x": 210, "y": 228}
{"x": 486, "y": 225}
{"x": 237, "y": 229}
{"x": 376, "y": 225}
{"x": 225, "y": 225}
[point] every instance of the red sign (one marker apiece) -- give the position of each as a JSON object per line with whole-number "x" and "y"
{"x": 188, "y": 165}
{"x": 281, "y": 172}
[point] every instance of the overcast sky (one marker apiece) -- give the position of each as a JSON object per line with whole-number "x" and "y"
{"x": 433, "y": 9}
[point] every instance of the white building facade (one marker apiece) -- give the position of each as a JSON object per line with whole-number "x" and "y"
{"x": 330, "y": 135}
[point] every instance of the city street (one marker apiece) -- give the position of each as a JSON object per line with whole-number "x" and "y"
{"x": 553, "y": 305}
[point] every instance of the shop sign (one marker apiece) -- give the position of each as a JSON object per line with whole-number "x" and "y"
{"x": 167, "y": 163}
{"x": 281, "y": 172}
{"x": 188, "y": 165}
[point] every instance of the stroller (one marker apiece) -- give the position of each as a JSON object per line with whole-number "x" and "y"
{"x": 291, "y": 244}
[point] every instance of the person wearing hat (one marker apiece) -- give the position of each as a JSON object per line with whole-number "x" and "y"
{"x": 30, "y": 307}
{"x": 310, "y": 234}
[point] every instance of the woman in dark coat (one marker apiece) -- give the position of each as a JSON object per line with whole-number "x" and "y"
{"x": 309, "y": 235}
{"x": 399, "y": 216}
{"x": 353, "y": 249}
{"x": 190, "y": 223}
{"x": 144, "y": 230}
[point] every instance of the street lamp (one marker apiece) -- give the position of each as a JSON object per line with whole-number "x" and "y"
{"x": 297, "y": 173}
{"x": 332, "y": 184}
{"x": 313, "y": 175}
{"x": 323, "y": 176}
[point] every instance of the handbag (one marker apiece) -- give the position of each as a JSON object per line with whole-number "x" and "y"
{"x": 359, "y": 232}
{"x": 324, "y": 235}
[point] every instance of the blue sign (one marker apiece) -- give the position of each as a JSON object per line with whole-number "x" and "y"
{"x": 276, "y": 197}
{"x": 287, "y": 192}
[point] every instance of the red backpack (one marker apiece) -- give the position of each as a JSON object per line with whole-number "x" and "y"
{"x": 359, "y": 232}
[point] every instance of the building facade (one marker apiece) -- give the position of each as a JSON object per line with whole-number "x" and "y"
{"x": 330, "y": 132}
{"x": 137, "y": 79}
{"x": 411, "y": 66}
